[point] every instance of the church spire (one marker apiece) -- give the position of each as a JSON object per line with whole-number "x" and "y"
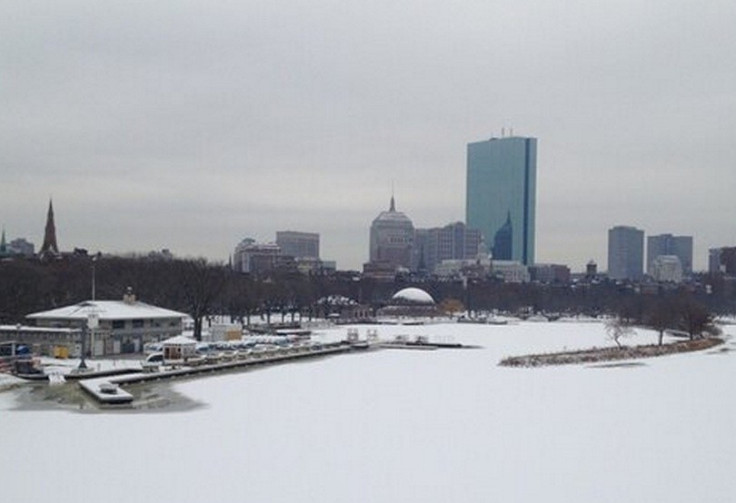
{"x": 392, "y": 208}
{"x": 49, "y": 247}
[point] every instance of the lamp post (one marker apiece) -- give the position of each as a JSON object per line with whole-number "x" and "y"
{"x": 91, "y": 322}
{"x": 82, "y": 363}
{"x": 94, "y": 285}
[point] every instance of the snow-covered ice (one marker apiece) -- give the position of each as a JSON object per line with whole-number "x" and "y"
{"x": 403, "y": 426}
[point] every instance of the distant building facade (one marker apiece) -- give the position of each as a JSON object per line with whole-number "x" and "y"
{"x": 550, "y": 273}
{"x": 452, "y": 242}
{"x": 392, "y": 238}
{"x": 21, "y": 246}
{"x": 479, "y": 267}
{"x": 625, "y": 253}
{"x": 255, "y": 258}
{"x": 722, "y": 260}
{"x": 667, "y": 268}
{"x": 298, "y": 244}
{"x": 501, "y": 195}
{"x": 667, "y": 244}
{"x": 510, "y": 271}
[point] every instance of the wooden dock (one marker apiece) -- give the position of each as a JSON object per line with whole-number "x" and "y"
{"x": 107, "y": 390}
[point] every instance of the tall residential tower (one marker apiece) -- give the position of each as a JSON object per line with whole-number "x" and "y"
{"x": 501, "y": 195}
{"x": 625, "y": 253}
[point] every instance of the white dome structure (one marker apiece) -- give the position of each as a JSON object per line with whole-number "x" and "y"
{"x": 413, "y": 296}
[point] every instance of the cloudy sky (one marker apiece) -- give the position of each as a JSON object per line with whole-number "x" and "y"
{"x": 190, "y": 125}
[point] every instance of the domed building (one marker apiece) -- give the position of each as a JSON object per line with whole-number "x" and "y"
{"x": 412, "y": 295}
{"x": 392, "y": 238}
{"x": 410, "y": 302}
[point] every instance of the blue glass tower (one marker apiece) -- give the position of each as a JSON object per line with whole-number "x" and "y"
{"x": 501, "y": 194}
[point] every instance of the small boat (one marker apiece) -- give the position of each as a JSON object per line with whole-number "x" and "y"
{"x": 109, "y": 388}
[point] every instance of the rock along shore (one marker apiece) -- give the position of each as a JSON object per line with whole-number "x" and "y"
{"x": 597, "y": 355}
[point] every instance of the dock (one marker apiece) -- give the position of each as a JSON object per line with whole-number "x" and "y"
{"x": 107, "y": 389}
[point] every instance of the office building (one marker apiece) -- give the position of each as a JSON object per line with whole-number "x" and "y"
{"x": 625, "y": 253}
{"x": 501, "y": 195}
{"x": 667, "y": 244}
{"x": 722, "y": 260}
{"x": 392, "y": 238}
{"x": 454, "y": 241}
{"x": 256, "y": 258}
{"x": 298, "y": 244}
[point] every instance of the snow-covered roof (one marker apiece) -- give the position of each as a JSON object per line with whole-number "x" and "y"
{"x": 179, "y": 340}
{"x": 107, "y": 310}
{"x": 414, "y": 295}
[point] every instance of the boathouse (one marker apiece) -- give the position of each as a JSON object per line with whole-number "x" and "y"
{"x": 123, "y": 326}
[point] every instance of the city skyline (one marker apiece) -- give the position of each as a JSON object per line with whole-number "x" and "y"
{"x": 161, "y": 127}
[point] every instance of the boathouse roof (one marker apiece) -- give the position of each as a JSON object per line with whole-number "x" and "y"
{"x": 107, "y": 310}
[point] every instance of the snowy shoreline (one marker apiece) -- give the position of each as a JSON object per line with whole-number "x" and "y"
{"x": 607, "y": 354}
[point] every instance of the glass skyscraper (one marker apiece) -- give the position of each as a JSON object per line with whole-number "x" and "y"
{"x": 501, "y": 195}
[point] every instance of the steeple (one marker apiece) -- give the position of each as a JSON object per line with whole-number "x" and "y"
{"x": 392, "y": 208}
{"x": 49, "y": 247}
{"x": 3, "y": 245}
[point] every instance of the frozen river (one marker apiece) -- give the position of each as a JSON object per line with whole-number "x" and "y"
{"x": 401, "y": 426}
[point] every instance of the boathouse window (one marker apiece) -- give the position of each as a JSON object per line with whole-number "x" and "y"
{"x": 118, "y": 324}
{"x": 137, "y": 323}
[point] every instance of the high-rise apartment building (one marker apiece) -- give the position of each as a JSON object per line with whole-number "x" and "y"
{"x": 298, "y": 244}
{"x": 625, "y": 253}
{"x": 667, "y": 244}
{"x": 501, "y": 195}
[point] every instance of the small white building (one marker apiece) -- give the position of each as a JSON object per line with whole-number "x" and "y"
{"x": 123, "y": 326}
{"x": 179, "y": 348}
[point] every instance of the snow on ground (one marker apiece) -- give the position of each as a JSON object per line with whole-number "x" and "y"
{"x": 403, "y": 426}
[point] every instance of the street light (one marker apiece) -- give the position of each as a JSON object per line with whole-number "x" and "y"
{"x": 94, "y": 262}
{"x": 91, "y": 322}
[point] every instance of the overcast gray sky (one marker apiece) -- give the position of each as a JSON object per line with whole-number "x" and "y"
{"x": 190, "y": 125}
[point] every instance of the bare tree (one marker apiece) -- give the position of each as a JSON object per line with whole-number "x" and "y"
{"x": 660, "y": 315}
{"x": 694, "y": 317}
{"x": 618, "y": 328}
{"x": 201, "y": 283}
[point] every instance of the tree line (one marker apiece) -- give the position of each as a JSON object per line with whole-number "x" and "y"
{"x": 201, "y": 288}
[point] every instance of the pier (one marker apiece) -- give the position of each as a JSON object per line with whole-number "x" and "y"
{"x": 107, "y": 389}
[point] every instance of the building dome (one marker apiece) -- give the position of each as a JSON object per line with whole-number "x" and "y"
{"x": 413, "y": 296}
